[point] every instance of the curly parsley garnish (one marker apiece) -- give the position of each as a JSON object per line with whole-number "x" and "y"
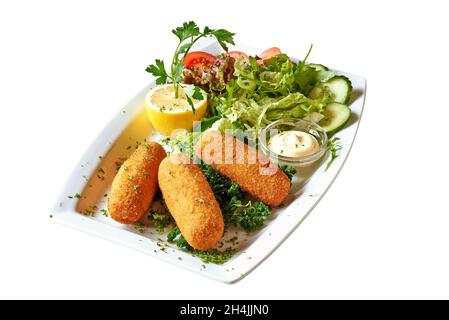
{"x": 289, "y": 171}
{"x": 210, "y": 256}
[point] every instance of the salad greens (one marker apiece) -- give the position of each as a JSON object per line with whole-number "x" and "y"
{"x": 188, "y": 34}
{"x": 278, "y": 89}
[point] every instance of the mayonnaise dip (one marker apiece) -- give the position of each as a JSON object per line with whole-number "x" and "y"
{"x": 294, "y": 144}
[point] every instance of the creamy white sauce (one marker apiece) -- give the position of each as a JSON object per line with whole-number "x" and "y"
{"x": 294, "y": 144}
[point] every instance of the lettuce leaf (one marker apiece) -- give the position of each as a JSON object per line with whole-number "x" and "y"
{"x": 264, "y": 93}
{"x": 259, "y": 113}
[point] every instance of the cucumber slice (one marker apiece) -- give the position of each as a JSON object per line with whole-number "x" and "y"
{"x": 316, "y": 92}
{"x": 340, "y": 88}
{"x": 318, "y": 67}
{"x": 246, "y": 84}
{"x": 336, "y": 115}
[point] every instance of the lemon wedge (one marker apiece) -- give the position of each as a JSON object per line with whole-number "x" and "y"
{"x": 168, "y": 113}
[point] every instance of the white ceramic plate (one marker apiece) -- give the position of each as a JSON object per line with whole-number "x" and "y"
{"x": 93, "y": 175}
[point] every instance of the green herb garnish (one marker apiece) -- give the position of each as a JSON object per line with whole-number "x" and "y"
{"x": 250, "y": 216}
{"x": 289, "y": 171}
{"x": 139, "y": 226}
{"x": 334, "y": 147}
{"x": 188, "y": 34}
{"x": 209, "y": 256}
{"x": 161, "y": 220}
{"x": 173, "y": 234}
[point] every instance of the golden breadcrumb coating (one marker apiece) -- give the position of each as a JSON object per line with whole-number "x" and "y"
{"x": 135, "y": 184}
{"x": 243, "y": 164}
{"x": 191, "y": 202}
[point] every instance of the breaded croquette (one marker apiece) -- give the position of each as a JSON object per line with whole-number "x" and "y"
{"x": 135, "y": 184}
{"x": 243, "y": 164}
{"x": 191, "y": 202}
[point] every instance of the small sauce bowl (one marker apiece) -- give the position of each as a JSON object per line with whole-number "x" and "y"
{"x": 289, "y": 124}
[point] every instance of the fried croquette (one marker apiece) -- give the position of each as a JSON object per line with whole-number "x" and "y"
{"x": 191, "y": 202}
{"x": 243, "y": 164}
{"x": 135, "y": 184}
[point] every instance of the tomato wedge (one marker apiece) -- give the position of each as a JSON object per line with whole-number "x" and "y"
{"x": 269, "y": 53}
{"x": 237, "y": 55}
{"x": 199, "y": 59}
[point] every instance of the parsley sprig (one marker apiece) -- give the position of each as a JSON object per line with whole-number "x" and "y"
{"x": 334, "y": 147}
{"x": 188, "y": 34}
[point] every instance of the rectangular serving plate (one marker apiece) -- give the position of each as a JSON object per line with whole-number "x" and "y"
{"x": 93, "y": 175}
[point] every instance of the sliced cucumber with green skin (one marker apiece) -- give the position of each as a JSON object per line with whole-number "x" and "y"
{"x": 318, "y": 67}
{"x": 246, "y": 84}
{"x": 336, "y": 115}
{"x": 340, "y": 88}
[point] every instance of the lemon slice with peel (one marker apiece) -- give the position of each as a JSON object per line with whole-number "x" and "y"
{"x": 168, "y": 113}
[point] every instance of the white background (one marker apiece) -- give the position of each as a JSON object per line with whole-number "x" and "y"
{"x": 382, "y": 231}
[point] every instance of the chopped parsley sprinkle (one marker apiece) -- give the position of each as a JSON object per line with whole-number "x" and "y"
{"x": 89, "y": 212}
{"x": 210, "y": 256}
{"x": 118, "y": 165}
{"x": 51, "y": 216}
{"x": 233, "y": 240}
{"x": 128, "y": 147}
{"x": 139, "y": 226}
{"x": 104, "y": 212}
{"x": 161, "y": 220}
{"x": 136, "y": 187}
{"x": 100, "y": 174}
